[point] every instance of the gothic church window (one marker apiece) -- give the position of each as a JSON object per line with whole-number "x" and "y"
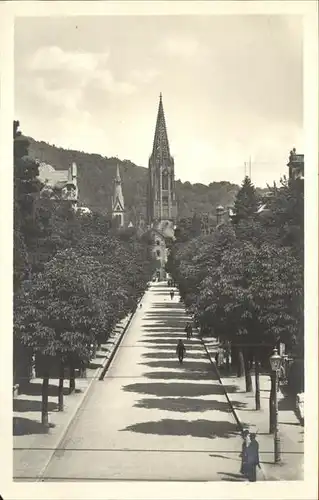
{"x": 118, "y": 220}
{"x": 165, "y": 181}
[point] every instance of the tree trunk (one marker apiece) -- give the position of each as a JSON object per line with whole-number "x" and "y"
{"x": 72, "y": 379}
{"x": 272, "y": 409}
{"x": 257, "y": 394}
{"x": 94, "y": 347}
{"x": 45, "y": 396}
{"x": 234, "y": 357}
{"x": 61, "y": 383}
{"x": 227, "y": 361}
{"x": 248, "y": 379}
{"x": 241, "y": 364}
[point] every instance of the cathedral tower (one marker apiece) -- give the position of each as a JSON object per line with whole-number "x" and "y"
{"x": 162, "y": 206}
{"x": 118, "y": 210}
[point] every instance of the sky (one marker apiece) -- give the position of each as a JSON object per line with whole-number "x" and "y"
{"x": 231, "y": 86}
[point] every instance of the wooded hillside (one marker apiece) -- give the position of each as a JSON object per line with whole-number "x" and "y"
{"x": 96, "y": 175}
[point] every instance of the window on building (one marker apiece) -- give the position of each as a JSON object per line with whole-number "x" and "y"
{"x": 158, "y": 253}
{"x": 157, "y": 242}
{"x": 165, "y": 181}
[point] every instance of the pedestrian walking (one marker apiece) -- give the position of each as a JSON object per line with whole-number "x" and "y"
{"x": 244, "y": 455}
{"x": 252, "y": 458}
{"x": 171, "y": 294}
{"x": 190, "y": 328}
{"x": 187, "y": 330}
{"x": 180, "y": 351}
{"x": 220, "y": 357}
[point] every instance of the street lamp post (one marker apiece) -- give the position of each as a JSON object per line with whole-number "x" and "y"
{"x": 275, "y": 363}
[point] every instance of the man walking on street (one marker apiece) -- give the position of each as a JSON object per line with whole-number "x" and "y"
{"x": 252, "y": 458}
{"x": 243, "y": 455}
{"x": 171, "y": 294}
{"x": 188, "y": 330}
{"x": 180, "y": 351}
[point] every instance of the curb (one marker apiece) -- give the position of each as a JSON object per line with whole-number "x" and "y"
{"x": 239, "y": 423}
{"x": 116, "y": 344}
{"x": 100, "y": 374}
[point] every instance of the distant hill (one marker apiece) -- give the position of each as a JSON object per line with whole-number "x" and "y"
{"x": 96, "y": 176}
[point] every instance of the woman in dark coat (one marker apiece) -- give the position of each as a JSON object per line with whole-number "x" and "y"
{"x": 244, "y": 455}
{"x": 252, "y": 458}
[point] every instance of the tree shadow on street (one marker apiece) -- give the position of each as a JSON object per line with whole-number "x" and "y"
{"x": 177, "y": 375}
{"x": 158, "y": 332}
{"x": 164, "y": 315}
{"x": 163, "y": 347}
{"x": 170, "y": 355}
{"x": 166, "y": 318}
{"x": 23, "y": 405}
{"x": 158, "y": 342}
{"x": 162, "y": 389}
{"x": 231, "y": 477}
{"x": 185, "y": 405}
{"x": 94, "y": 366}
{"x": 197, "y": 428}
{"x": 170, "y": 305}
{"x": 163, "y": 328}
{"x": 187, "y": 365}
{"x": 222, "y": 456}
{"x": 24, "y": 426}
{"x": 35, "y": 389}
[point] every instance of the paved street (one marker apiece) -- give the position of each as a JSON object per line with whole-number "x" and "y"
{"x": 150, "y": 418}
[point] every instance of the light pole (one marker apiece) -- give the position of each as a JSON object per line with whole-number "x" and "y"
{"x": 275, "y": 363}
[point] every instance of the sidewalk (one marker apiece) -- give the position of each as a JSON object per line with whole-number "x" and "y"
{"x": 33, "y": 444}
{"x": 291, "y": 431}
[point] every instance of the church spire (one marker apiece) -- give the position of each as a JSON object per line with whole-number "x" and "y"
{"x": 161, "y": 144}
{"x": 118, "y": 177}
{"x": 118, "y": 200}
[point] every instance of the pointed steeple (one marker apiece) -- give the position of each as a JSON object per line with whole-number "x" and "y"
{"x": 161, "y": 145}
{"x": 118, "y": 199}
{"x": 118, "y": 177}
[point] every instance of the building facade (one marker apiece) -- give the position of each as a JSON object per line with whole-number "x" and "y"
{"x": 59, "y": 184}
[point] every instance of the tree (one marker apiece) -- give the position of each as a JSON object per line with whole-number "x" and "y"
{"x": 253, "y": 300}
{"x": 26, "y": 185}
{"x": 246, "y": 202}
{"x": 26, "y": 188}
{"x": 287, "y": 206}
{"x": 57, "y": 317}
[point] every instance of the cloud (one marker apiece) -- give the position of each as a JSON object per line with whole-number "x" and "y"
{"x": 180, "y": 46}
{"x": 60, "y": 77}
{"x": 54, "y": 58}
{"x": 68, "y": 98}
{"x": 144, "y": 76}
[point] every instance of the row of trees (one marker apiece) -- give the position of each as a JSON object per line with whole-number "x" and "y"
{"x": 244, "y": 282}
{"x": 74, "y": 278}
